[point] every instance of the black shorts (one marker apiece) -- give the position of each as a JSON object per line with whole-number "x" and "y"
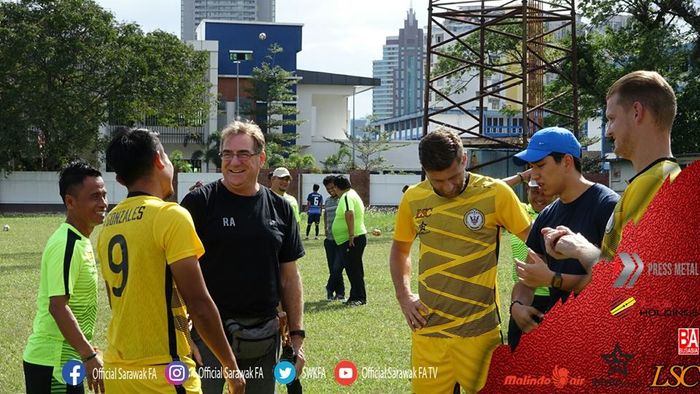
{"x": 39, "y": 379}
{"x": 314, "y": 218}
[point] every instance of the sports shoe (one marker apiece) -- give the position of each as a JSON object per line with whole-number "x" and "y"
{"x": 339, "y": 297}
{"x": 355, "y": 303}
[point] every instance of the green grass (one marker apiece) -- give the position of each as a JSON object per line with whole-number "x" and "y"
{"x": 374, "y": 335}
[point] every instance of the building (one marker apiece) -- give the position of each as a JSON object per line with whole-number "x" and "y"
{"x": 401, "y": 71}
{"x": 194, "y": 11}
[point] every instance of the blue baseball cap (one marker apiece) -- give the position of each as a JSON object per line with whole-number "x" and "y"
{"x": 547, "y": 141}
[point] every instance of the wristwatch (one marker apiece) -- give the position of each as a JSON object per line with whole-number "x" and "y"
{"x": 556, "y": 280}
{"x": 299, "y": 333}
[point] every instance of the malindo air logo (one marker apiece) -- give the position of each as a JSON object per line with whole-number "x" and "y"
{"x": 559, "y": 378}
{"x": 633, "y": 267}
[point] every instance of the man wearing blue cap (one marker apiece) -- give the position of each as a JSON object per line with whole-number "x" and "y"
{"x": 554, "y": 155}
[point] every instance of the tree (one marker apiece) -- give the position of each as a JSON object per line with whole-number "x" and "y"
{"x": 66, "y": 67}
{"x": 338, "y": 162}
{"x": 180, "y": 164}
{"x": 368, "y": 148}
{"x": 273, "y": 95}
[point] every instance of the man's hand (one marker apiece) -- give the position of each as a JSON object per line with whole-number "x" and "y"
{"x": 414, "y": 311}
{"x": 351, "y": 241}
{"x": 524, "y": 317}
{"x": 533, "y": 273}
{"x": 93, "y": 373}
{"x": 563, "y": 243}
{"x": 235, "y": 382}
{"x": 298, "y": 346}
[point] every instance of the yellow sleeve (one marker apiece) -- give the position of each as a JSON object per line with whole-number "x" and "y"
{"x": 404, "y": 230}
{"x": 510, "y": 212}
{"x": 175, "y": 233}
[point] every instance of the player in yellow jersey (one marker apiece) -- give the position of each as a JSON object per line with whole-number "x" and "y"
{"x": 457, "y": 216}
{"x": 148, "y": 251}
{"x": 641, "y": 107}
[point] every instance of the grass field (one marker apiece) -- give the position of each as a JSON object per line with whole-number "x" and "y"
{"x": 374, "y": 335}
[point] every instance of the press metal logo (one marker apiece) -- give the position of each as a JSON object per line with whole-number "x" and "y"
{"x": 633, "y": 266}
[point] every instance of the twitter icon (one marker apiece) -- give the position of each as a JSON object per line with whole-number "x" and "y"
{"x": 285, "y": 372}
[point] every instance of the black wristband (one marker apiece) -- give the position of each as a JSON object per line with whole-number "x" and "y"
{"x": 299, "y": 333}
{"x": 510, "y": 310}
{"x": 90, "y": 357}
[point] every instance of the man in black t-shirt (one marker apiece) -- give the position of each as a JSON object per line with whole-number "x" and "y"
{"x": 251, "y": 240}
{"x": 555, "y": 157}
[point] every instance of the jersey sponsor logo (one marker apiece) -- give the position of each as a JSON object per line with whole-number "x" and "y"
{"x": 688, "y": 341}
{"x": 422, "y": 228}
{"x": 424, "y": 212}
{"x": 474, "y": 219}
{"x": 229, "y": 222}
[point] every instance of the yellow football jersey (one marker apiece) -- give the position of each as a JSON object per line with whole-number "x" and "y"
{"x": 140, "y": 238}
{"x": 634, "y": 202}
{"x": 459, "y": 251}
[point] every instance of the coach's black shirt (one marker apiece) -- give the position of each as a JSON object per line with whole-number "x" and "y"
{"x": 588, "y": 215}
{"x": 245, "y": 239}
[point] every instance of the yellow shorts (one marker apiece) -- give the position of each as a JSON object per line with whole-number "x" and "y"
{"x": 128, "y": 379}
{"x": 439, "y": 363}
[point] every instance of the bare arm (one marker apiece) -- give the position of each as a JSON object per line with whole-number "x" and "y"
{"x": 521, "y": 310}
{"x": 350, "y": 220}
{"x": 535, "y": 273}
{"x": 190, "y": 284}
{"x": 513, "y": 180}
{"x": 400, "y": 266}
{"x": 70, "y": 329}
{"x": 293, "y": 305}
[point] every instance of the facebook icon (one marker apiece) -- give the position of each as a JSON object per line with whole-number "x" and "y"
{"x": 73, "y": 372}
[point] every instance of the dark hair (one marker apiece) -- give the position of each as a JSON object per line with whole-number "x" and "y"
{"x": 73, "y": 175}
{"x": 439, "y": 150}
{"x": 559, "y": 156}
{"x": 316, "y": 186}
{"x": 329, "y": 179}
{"x": 342, "y": 183}
{"x": 130, "y": 153}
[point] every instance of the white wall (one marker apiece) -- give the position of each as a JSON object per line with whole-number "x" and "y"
{"x": 42, "y": 187}
{"x": 323, "y": 108}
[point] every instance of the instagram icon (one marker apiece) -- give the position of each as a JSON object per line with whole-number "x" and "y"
{"x": 176, "y": 373}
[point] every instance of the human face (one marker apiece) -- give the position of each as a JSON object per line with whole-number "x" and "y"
{"x": 537, "y": 199}
{"x": 549, "y": 176}
{"x": 168, "y": 171}
{"x": 620, "y": 126}
{"x": 449, "y": 182}
{"x": 330, "y": 188}
{"x": 87, "y": 203}
{"x": 241, "y": 174}
{"x": 280, "y": 185}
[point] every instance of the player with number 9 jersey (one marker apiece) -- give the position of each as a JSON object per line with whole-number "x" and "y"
{"x": 140, "y": 237}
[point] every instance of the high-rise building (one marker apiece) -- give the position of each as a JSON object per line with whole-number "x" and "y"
{"x": 194, "y": 11}
{"x": 401, "y": 72}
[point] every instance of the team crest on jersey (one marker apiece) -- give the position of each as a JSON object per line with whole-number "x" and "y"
{"x": 611, "y": 223}
{"x": 474, "y": 219}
